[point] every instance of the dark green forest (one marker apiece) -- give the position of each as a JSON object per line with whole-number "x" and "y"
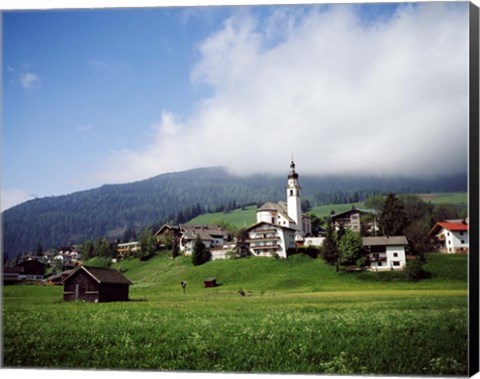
{"x": 111, "y": 210}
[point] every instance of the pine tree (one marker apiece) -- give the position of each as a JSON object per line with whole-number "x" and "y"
{"x": 393, "y": 216}
{"x": 200, "y": 253}
{"x": 329, "y": 249}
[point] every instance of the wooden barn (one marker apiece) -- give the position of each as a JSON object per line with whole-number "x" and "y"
{"x": 96, "y": 285}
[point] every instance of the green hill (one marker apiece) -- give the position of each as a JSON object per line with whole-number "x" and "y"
{"x": 162, "y": 275}
{"x": 241, "y": 217}
{"x": 238, "y": 218}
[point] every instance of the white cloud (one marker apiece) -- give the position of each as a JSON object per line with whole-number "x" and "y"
{"x": 29, "y": 80}
{"x": 344, "y": 96}
{"x": 12, "y": 197}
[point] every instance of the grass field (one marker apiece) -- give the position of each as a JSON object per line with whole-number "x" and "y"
{"x": 297, "y": 316}
{"x": 240, "y": 218}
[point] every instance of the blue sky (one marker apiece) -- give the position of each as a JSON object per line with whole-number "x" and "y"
{"x": 116, "y": 95}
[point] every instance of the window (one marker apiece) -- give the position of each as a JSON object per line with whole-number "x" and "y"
{"x": 461, "y": 233}
{"x": 396, "y": 263}
{"x": 291, "y": 192}
{"x": 379, "y": 263}
{"x": 463, "y": 241}
{"x": 395, "y": 254}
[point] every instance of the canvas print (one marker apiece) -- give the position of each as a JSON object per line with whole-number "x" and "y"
{"x": 275, "y": 189}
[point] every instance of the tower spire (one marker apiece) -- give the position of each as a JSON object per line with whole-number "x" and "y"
{"x": 292, "y": 174}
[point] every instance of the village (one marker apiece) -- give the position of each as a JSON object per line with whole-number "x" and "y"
{"x": 281, "y": 229}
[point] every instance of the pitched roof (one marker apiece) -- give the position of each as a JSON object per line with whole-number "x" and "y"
{"x": 280, "y": 207}
{"x": 385, "y": 241}
{"x": 452, "y": 226}
{"x": 362, "y": 211}
{"x": 102, "y": 275}
{"x": 174, "y": 228}
{"x": 206, "y": 232}
{"x": 270, "y": 224}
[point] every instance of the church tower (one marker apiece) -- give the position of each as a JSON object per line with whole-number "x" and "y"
{"x": 294, "y": 207}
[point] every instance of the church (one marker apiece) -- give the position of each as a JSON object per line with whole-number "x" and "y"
{"x": 280, "y": 226}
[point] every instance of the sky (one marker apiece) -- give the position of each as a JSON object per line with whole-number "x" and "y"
{"x": 97, "y": 96}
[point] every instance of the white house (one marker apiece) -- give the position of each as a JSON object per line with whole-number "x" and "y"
{"x": 287, "y": 214}
{"x": 451, "y": 236}
{"x": 267, "y": 239}
{"x": 386, "y": 252}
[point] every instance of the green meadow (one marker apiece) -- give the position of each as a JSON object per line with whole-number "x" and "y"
{"x": 280, "y": 316}
{"x": 240, "y": 218}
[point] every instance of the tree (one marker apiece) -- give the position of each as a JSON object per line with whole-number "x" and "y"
{"x": 350, "y": 248}
{"x": 305, "y": 205}
{"x": 414, "y": 271}
{"x": 200, "y": 253}
{"x": 416, "y": 208}
{"x": 375, "y": 202}
{"x": 316, "y": 224}
{"x": 442, "y": 212}
{"x": 102, "y": 248}
{"x": 418, "y": 239}
{"x": 88, "y": 249}
{"x": 39, "y": 250}
{"x": 329, "y": 248}
{"x": 393, "y": 216}
{"x": 147, "y": 244}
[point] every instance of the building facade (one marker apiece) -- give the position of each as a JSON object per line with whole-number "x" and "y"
{"x": 355, "y": 219}
{"x": 386, "y": 253}
{"x": 451, "y": 236}
{"x": 267, "y": 239}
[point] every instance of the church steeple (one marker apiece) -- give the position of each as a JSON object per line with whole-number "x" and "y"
{"x": 293, "y": 197}
{"x": 292, "y": 174}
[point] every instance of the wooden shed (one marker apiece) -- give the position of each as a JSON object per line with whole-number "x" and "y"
{"x": 210, "y": 282}
{"x": 96, "y": 285}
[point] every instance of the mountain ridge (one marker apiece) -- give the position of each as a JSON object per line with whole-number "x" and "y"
{"x": 110, "y": 209}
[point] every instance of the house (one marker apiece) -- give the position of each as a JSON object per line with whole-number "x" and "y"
{"x": 451, "y": 236}
{"x": 228, "y": 250}
{"x": 386, "y": 252}
{"x": 96, "y": 285}
{"x": 29, "y": 270}
{"x": 212, "y": 236}
{"x": 167, "y": 233}
{"x": 354, "y": 219}
{"x": 12, "y": 275}
{"x": 267, "y": 239}
{"x": 33, "y": 269}
{"x": 126, "y": 249}
{"x": 288, "y": 214}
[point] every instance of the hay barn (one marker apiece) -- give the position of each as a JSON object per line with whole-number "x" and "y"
{"x": 96, "y": 285}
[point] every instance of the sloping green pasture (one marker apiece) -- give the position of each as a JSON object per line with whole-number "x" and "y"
{"x": 240, "y": 218}
{"x": 296, "y": 316}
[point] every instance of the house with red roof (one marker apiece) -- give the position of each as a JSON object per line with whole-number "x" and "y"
{"x": 451, "y": 236}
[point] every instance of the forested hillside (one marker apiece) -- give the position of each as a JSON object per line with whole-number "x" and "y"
{"x": 177, "y": 197}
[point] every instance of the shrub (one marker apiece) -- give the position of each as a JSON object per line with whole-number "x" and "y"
{"x": 414, "y": 271}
